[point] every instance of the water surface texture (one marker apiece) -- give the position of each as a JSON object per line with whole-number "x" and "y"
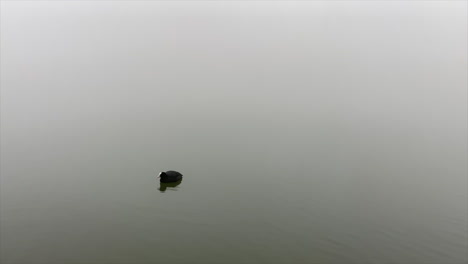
{"x": 307, "y": 132}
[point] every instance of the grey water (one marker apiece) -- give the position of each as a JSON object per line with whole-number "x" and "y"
{"x": 307, "y": 132}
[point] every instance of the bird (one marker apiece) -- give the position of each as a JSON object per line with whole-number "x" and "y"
{"x": 170, "y": 176}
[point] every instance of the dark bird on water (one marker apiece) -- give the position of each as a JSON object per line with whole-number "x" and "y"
{"x": 170, "y": 176}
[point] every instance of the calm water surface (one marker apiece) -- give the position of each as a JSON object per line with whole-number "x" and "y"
{"x": 307, "y": 132}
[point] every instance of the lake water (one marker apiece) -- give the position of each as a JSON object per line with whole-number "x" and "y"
{"x": 307, "y": 132}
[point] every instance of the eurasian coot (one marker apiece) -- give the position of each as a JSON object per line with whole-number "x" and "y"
{"x": 170, "y": 176}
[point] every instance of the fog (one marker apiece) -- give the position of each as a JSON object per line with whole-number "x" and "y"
{"x": 307, "y": 132}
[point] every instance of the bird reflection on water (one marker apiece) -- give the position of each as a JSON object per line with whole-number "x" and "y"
{"x": 172, "y": 186}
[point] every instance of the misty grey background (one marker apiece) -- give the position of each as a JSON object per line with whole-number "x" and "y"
{"x": 308, "y": 132}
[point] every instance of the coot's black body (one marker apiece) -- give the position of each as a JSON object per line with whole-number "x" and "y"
{"x": 170, "y": 176}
